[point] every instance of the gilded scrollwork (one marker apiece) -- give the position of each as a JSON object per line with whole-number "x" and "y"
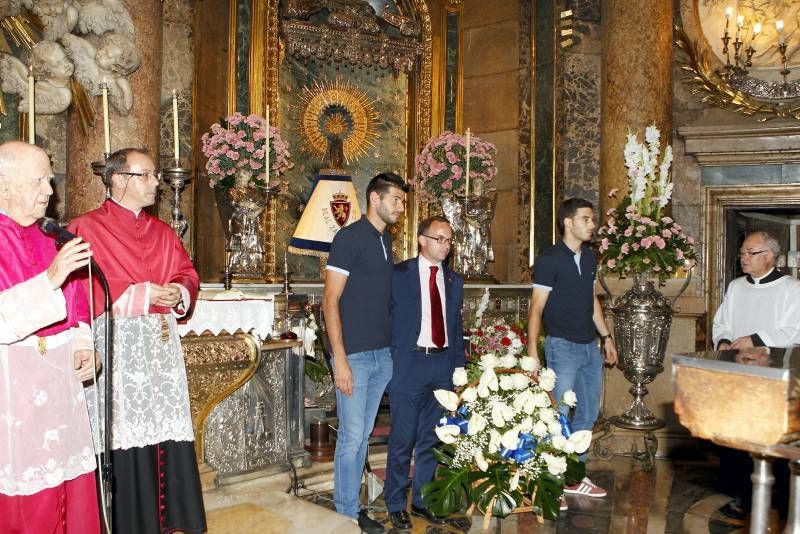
{"x": 216, "y": 366}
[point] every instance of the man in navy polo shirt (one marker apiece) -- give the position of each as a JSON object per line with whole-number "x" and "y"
{"x": 358, "y": 284}
{"x": 564, "y": 300}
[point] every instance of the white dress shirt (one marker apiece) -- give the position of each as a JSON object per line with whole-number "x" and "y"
{"x": 425, "y": 337}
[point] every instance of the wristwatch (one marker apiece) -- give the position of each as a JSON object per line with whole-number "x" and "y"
{"x": 607, "y": 336}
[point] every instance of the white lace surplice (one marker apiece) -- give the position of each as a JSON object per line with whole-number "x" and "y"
{"x": 150, "y": 390}
{"x": 44, "y": 430}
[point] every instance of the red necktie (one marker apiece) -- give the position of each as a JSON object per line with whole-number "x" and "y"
{"x": 437, "y": 318}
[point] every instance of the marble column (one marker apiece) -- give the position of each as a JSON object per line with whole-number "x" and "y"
{"x": 637, "y": 83}
{"x": 140, "y": 128}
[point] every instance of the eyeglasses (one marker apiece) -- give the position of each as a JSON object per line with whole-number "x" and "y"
{"x": 440, "y": 240}
{"x": 751, "y": 254}
{"x": 152, "y": 175}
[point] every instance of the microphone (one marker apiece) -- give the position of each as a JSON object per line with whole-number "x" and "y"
{"x": 50, "y": 226}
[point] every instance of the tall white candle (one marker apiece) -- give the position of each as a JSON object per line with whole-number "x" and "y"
{"x": 106, "y": 127}
{"x": 175, "y": 135}
{"x": 779, "y": 27}
{"x": 466, "y": 183}
{"x": 31, "y": 108}
{"x": 266, "y": 146}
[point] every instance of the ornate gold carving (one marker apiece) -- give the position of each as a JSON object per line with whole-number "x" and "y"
{"x": 232, "y": 52}
{"x": 338, "y": 109}
{"x": 715, "y": 90}
{"x": 454, "y": 5}
{"x": 216, "y": 366}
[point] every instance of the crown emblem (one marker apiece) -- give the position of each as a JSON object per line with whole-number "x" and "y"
{"x": 340, "y": 197}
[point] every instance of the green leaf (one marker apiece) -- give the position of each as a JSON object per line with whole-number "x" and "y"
{"x": 491, "y": 488}
{"x": 576, "y": 470}
{"x": 547, "y": 499}
{"x": 447, "y": 492}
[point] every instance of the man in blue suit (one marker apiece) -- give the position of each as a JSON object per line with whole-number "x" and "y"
{"x": 427, "y": 346}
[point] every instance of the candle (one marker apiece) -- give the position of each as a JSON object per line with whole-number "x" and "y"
{"x": 728, "y": 15}
{"x": 779, "y": 27}
{"x": 106, "y": 127}
{"x": 756, "y": 29}
{"x": 739, "y": 23}
{"x": 466, "y": 183}
{"x": 266, "y": 146}
{"x": 285, "y": 260}
{"x": 31, "y": 108}
{"x": 175, "y": 135}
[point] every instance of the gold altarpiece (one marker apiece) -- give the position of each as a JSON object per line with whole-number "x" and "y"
{"x": 429, "y": 83}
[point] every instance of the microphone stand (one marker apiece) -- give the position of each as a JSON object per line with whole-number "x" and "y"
{"x": 106, "y": 468}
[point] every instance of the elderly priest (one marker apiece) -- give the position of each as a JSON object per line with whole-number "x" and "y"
{"x": 46, "y": 459}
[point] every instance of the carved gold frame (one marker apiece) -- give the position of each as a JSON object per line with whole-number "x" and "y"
{"x": 717, "y": 200}
{"x": 265, "y": 57}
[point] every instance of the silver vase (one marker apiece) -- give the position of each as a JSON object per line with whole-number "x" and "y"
{"x": 471, "y": 220}
{"x": 245, "y": 234}
{"x": 642, "y": 319}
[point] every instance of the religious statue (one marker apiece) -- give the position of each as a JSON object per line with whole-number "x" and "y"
{"x": 58, "y": 16}
{"x": 52, "y": 71}
{"x": 101, "y": 16}
{"x": 10, "y": 8}
{"x": 112, "y": 60}
{"x": 335, "y": 152}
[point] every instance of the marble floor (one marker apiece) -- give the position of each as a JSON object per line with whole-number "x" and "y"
{"x": 678, "y": 496}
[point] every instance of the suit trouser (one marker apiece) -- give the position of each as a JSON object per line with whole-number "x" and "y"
{"x": 415, "y": 413}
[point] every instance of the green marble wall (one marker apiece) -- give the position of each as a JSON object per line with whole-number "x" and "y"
{"x": 388, "y": 153}
{"x": 544, "y": 128}
{"x": 243, "y": 19}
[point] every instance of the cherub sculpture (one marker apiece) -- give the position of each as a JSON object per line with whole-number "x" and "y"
{"x": 51, "y": 70}
{"x": 114, "y": 58}
{"x": 57, "y": 16}
{"x": 101, "y": 16}
{"x": 9, "y": 8}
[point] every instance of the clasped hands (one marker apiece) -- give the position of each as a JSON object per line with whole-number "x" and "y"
{"x": 167, "y": 295}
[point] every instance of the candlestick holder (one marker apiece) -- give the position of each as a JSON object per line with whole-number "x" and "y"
{"x": 99, "y": 167}
{"x": 287, "y": 290}
{"x": 177, "y": 177}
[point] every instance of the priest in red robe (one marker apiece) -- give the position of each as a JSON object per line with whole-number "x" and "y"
{"x": 47, "y": 462}
{"x": 152, "y": 282}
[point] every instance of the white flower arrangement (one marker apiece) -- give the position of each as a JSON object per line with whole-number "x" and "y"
{"x": 502, "y": 423}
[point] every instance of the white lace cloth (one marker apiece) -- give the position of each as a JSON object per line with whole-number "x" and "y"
{"x": 44, "y": 431}
{"x": 254, "y": 316}
{"x": 150, "y": 390}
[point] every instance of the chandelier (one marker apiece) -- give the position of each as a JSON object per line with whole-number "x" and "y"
{"x": 736, "y": 72}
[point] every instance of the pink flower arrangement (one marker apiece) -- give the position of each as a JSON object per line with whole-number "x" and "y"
{"x": 235, "y": 151}
{"x": 441, "y": 166}
{"x": 636, "y": 237}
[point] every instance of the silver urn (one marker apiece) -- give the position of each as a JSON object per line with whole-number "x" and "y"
{"x": 642, "y": 319}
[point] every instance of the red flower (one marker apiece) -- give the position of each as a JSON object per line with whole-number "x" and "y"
{"x": 505, "y": 341}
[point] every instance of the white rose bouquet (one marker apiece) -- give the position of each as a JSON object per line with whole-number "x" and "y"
{"x": 504, "y": 440}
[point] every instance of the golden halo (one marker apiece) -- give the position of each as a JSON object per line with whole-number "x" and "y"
{"x": 337, "y": 108}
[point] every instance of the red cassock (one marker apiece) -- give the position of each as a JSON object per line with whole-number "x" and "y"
{"x": 132, "y": 249}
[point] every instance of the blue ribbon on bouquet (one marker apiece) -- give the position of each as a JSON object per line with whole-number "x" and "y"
{"x": 460, "y": 422}
{"x": 566, "y": 426}
{"x": 526, "y": 444}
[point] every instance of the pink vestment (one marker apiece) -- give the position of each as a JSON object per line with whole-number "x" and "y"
{"x": 44, "y": 426}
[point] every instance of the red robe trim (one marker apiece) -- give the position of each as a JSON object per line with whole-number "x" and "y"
{"x": 132, "y": 249}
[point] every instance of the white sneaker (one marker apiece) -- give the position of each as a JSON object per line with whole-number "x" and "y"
{"x": 586, "y": 487}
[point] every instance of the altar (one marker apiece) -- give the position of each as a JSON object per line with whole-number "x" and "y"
{"x": 246, "y": 390}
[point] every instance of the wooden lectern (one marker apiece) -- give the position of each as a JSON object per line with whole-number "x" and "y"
{"x": 749, "y": 400}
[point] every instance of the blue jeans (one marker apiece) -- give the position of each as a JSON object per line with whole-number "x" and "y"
{"x": 579, "y": 367}
{"x": 372, "y": 370}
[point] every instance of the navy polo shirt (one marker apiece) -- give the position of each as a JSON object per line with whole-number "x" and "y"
{"x": 570, "y": 306}
{"x": 364, "y": 255}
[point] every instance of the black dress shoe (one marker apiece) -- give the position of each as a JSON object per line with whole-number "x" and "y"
{"x": 400, "y": 520}
{"x": 428, "y": 516}
{"x": 369, "y": 525}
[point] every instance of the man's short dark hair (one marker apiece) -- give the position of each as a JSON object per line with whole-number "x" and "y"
{"x": 425, "y": 225}
{"x": 118, "y": 162}
{"x": 383, "y": 181}
{"x": 568, "y": 209}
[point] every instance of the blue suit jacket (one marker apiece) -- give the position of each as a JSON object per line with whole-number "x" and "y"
{"x": 406, "y": 309}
